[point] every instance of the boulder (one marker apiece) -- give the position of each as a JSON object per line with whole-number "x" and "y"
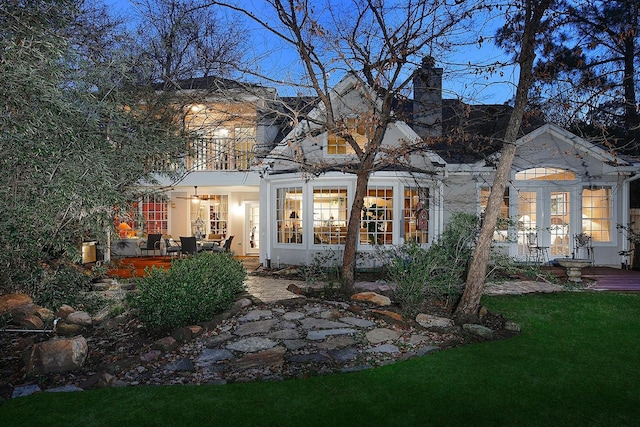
{"x": 81, "y": 318}
{"x": 372, "y": 297}
{"x": 68, "y": 329}
{"x": 430, "y": 321}
{"x": 31, "y": 321}
{"x": 10, "y": 301}
{"x": 64, "y": 311}
{"x": 56, "y": 355}
{"x": 165, "y": 344}
{"x": 479, "y": 330}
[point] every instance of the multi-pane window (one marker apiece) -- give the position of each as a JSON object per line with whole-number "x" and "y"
{"x": 155, "y": 214}
{"x": 377, "y": 217}
{"x": 337, "y": 145}
{"x": 416, "y": 214}
{"x": 597, "y": 211}
{"x": 545, "y": 174}
{"x": 329, "y": 215}
{"x": 289, "y": 215}
{"x": 501, "y": 234}
{"x": 218, "y": 214}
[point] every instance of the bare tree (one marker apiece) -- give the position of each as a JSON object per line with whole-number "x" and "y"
{"x": 183, "y": 39}
{"x": 519, "y": 35}
{"x": 377, "y": 42}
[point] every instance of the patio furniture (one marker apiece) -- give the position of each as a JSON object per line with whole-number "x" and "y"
{"x": 189, "y": 245}
{"x": 583, "y": 243}
{"x": 539, "y": 252}
{"x": 226, "y": 247}
{"x": 171, "y": 248}
{"x": 153, "y": 244}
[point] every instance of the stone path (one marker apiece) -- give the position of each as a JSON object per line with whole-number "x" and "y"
{"x": 285, "y": 340}
{"x": 292, "y": 336}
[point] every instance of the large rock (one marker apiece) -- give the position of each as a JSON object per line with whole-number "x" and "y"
{"x": 81, "y": 318}
{"x": 56, "y": 355}
{"x": 371, "y": 297}
{"x": 430, "y": 321}
{"x": 10, "y": 302}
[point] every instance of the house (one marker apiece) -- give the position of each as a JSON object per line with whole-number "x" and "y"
{"x": 245, "y": 171}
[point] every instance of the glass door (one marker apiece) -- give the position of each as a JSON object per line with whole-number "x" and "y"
{"x": 253, "y": 228}
{"x": 544, "y": 222}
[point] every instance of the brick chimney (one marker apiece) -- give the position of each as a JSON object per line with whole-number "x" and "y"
{"x": 427, "y": 99}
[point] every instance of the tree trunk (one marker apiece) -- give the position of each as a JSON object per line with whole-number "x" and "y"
{"x": 470, "y": 302}
{"x": 353, "y": 231}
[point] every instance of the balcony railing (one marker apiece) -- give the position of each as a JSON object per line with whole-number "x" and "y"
{"x": 222, "y": 154}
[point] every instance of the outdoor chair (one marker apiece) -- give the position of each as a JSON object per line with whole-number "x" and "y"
{"x": 172, "y": 248}
{"x": 226, "y": 247}
{"x": 153, "y": 244}
{"x": 539, "y": 252}
{"x": 583, "y": 243}
{"x": 189, "y": 245}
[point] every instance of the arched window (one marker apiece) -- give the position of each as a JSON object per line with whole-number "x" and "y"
{"x": 545, "y": 174}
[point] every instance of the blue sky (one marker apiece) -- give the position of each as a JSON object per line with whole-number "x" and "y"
{"x": 460, "y": 79}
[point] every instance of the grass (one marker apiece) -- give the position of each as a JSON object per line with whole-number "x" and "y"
{"x": 576, "y": 362}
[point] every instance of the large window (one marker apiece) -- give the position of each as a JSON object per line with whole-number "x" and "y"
{"x": 154, "y": 212}
{"x": 218, "y": 214}
{"x": 289, "y": 215}
{"x": 337, "y": 145}
{"x": 416, "y": 214}
{"x": 223, "y": 149}
{"x": 501, "y": 234}
{"x": 377, "y": 217}
{"x": 545, "y": 174}
{"x": 329, "y": 215}
{"x": 597, "y": 211}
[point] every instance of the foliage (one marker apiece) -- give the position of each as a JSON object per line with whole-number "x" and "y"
{"x": 323, "y": 268}
{"x": 71, "y": 114}
{"x": 192, "y": 290}
{"x": 62, "y": 284}
{"x": 438, "y": 270}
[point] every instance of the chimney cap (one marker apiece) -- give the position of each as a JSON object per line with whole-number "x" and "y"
{"x": 428, "y": 61}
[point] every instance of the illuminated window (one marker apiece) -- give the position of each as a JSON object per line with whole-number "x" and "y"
{"x": 545, "y": 174}
{"x": 218, "y": 214}
{"x": 154, "y": 212}
{"x": 416, "y": 214}
{"x": 377, "y": 217}
{"x": 597, "y": 211}
{"x": 501, "y": 234}
{"x": 337, "y": 145}
{"x": 329, "y": 215}
{"x": 289, "y": 215}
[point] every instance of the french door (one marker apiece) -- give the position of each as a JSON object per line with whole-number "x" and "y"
{"x": 544, "y": 220}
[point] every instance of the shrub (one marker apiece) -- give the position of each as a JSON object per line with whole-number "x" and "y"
{"x": 437, "y": 271}
{"x": 191, "y": 291}
{"x": 64, "y": 283}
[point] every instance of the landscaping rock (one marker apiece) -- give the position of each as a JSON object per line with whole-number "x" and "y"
{"x": 380, "y": 335}
{"x": 9, "y": 302}
{"x": 252, "y": 344}
{"x": 479, "y": 330}
{"x": 56, "y": 355}
{"x": 165, "y": 344}
{"x": 81, "y": 318}
{"x": 430, "y": 321}
{"x": 372, "y": 297}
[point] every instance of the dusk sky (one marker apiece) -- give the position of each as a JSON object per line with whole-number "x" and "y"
{"x": 459, "y": 80}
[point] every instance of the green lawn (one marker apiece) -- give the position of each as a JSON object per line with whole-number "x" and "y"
{"x": 577, "y": 362}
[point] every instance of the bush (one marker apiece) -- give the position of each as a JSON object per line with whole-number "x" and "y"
{"x": 437, "y": 271}
{"x": 64, "y": 283}
{"x": 191, "y": 291}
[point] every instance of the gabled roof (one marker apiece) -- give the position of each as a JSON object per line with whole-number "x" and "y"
{"x": 303, "y": 131}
